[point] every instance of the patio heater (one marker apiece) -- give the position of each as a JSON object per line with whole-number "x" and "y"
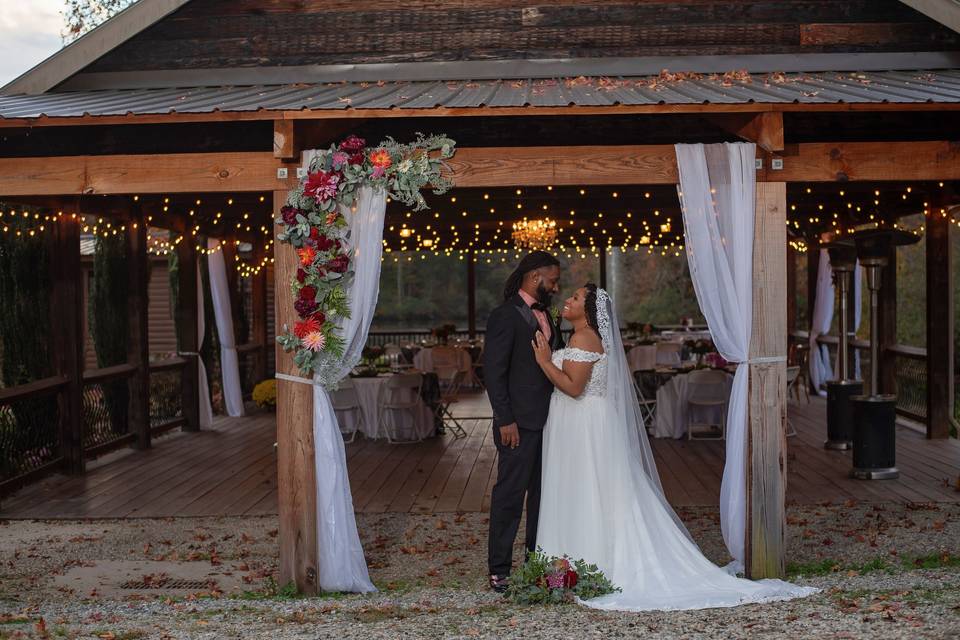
{"x": 874, "y": 415}
{"x": 843, "y": 260}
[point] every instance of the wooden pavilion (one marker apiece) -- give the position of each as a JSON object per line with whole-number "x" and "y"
{"x": 191, "y": 115}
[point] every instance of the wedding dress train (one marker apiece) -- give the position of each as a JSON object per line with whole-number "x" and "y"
{"x": 602, "y": 502}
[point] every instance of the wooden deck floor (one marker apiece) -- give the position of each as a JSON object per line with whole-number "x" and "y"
{"x": 231, "y": 470}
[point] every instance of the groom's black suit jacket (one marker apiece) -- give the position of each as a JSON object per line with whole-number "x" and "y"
{"x": 518, "y": 389}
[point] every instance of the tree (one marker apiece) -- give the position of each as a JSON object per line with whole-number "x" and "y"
{"x": 80, "y": 16}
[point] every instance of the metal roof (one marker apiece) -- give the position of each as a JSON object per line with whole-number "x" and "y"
{"x": 667, "y": 88}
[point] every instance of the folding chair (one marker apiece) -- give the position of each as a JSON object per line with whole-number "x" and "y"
{"x": 346, "y": 401}
{"x": 793, "y": 375}
{"x": 451, "y": 378}
{"x": 707, "y": 390}
{"x": 400, "y": 396}
{"x": 648, "y": 407}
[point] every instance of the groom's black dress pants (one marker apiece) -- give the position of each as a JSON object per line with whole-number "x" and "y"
{"x": 518, "y": 476}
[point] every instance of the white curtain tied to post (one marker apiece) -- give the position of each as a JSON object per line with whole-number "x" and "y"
{"x": 820, "y": 370}
{"x": 717, "y": 194}
{"x": 222, "y": 313}
{"x": 342, "y": 566}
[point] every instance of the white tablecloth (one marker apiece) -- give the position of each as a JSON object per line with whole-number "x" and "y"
{"x": 423, "y": 360}
{"x": 672, "y": 410}
{"x": 642, "y": 357}
{"x": 368, "y": 395}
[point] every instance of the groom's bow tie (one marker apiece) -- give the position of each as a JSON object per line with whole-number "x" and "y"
{"x": 538, "y": 306}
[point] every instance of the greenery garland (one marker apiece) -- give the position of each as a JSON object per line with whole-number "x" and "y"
{"x": 314, "y": 224}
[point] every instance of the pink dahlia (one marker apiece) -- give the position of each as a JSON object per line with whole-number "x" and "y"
{"x": 322, "y": 185}
{"x": 315, "y": 341}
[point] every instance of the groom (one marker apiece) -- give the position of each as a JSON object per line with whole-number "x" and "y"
{"x": 520, "y": 395}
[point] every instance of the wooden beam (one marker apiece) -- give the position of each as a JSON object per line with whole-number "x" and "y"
{"x": 471, "y": 167}
{"x": 766, "y": 441}
{"x": 940, "y": 322}
{"x": 138, "y": 332}
{"x": 297, "y": 478}
{"x": 764, "y": 128}
{"x": 187, "y": 328}
{"x": 67, "y": 340}
{"x": 283, "y": 140}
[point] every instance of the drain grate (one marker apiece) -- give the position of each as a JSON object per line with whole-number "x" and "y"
{"x": 169, "y": 583}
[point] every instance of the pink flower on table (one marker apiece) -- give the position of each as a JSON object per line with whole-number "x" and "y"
{"x": 315, "y": 341}
{"x": 556, "y": 580}
{"x": 339, "y": 159}
{"x": 378, "y": 172}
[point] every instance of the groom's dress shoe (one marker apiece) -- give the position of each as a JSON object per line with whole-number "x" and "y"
{"x": 499, "y": 583}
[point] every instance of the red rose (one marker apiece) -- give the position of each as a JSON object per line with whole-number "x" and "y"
{"x": 319, "y": 317}
{"x": 357, "y": 158}
{"x": 301, "y": 276}
{"x": 570, "y": 580}
{"x": 353, "y": 144}
{"x": 308, "y": 293}
{"x": 324, "y": 243}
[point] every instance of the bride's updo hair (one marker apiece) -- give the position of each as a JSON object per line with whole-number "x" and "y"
{"x": 590, "y": 306}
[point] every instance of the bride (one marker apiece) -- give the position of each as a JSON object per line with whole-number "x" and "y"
{"x": 601, "y": 496}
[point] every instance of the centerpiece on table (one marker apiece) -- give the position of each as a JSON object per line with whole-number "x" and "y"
{"x": 700, "y": 348}
{"x": 543, "y": 579}
{"x": 442, "y": 333}
{"x": 370, "y": 363}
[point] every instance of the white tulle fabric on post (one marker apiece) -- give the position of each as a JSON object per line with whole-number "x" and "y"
{"x": 223, "y": 315}
{"x": 342, "y": 566}
{"x": 206, "y": 407}
{"x": 717, "y": 192}
{"x": 820, "y": 370}
{"x": 601, "y": 498}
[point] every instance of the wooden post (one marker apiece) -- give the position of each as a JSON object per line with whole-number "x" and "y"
{"x": 187, "y": 323}
{"x": 939, "y": 324}
{"x": 258, "y": 320}
{"x": 296, "y": 474}
{"x": 791, "y": 290}
{"x": 228, "y": 246}
{"x": 888, "y": 325}
{"x": 471, "y": 294}
{"x": 138, "y": 347}
{"x": 766, "y": 442}
{"x": 67, "y": 338}
{"x": 603, "y": 268}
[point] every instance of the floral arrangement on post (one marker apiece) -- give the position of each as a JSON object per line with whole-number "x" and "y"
{"x": 314, "y": 225}
{"x": 549, "y": 580}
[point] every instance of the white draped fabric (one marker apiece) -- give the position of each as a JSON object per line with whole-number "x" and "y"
{"x": 223, "y": 315}
{"x": 820, "y": 370}
{"x": 206, "y": 408}
{"x": 717, "y": 193}
{"x": 342, "y": 566}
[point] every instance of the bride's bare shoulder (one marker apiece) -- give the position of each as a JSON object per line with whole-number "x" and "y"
{"x": 586, "y": 341}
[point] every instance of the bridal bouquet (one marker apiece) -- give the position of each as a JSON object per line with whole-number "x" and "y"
{"x": 549, "y": 580}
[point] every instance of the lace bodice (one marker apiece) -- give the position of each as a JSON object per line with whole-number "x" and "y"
{"x": 597, "y": 385}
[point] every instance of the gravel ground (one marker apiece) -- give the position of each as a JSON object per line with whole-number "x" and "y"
{"x": 886, "y": 571}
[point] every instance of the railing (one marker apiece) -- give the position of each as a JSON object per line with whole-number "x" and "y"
{"x": 909, "y": 367}
{"x": 381, "y": 338}
{"x": 166, "y": 407}
{"x": 30, "y": 438}
{"x": 105, "y": 423}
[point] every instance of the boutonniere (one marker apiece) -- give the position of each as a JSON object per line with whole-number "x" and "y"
{"x": 555, "y": 314}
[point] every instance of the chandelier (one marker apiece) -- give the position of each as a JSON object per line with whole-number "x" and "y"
{"x": 534, "y": 235}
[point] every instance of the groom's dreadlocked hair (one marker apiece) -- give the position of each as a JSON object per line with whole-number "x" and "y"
{"x": 531, "y": 262}
{"x": 590, "y": 306}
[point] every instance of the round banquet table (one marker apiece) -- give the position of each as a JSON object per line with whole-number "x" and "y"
{"x": 368, "y": 396}
{"x": 672, "y": 414}
{"x": 423, "y": 360}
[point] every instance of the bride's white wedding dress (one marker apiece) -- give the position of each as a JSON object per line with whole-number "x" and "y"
{"x": 600, "y": 502}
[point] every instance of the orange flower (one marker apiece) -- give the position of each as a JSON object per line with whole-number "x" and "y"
{"x": 307, "y": 254}
{"x": 380, "y": 158}
{"x": 315, "y": 341}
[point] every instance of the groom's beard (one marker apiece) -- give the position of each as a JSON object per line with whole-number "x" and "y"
{"x": 543, "y": 296}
